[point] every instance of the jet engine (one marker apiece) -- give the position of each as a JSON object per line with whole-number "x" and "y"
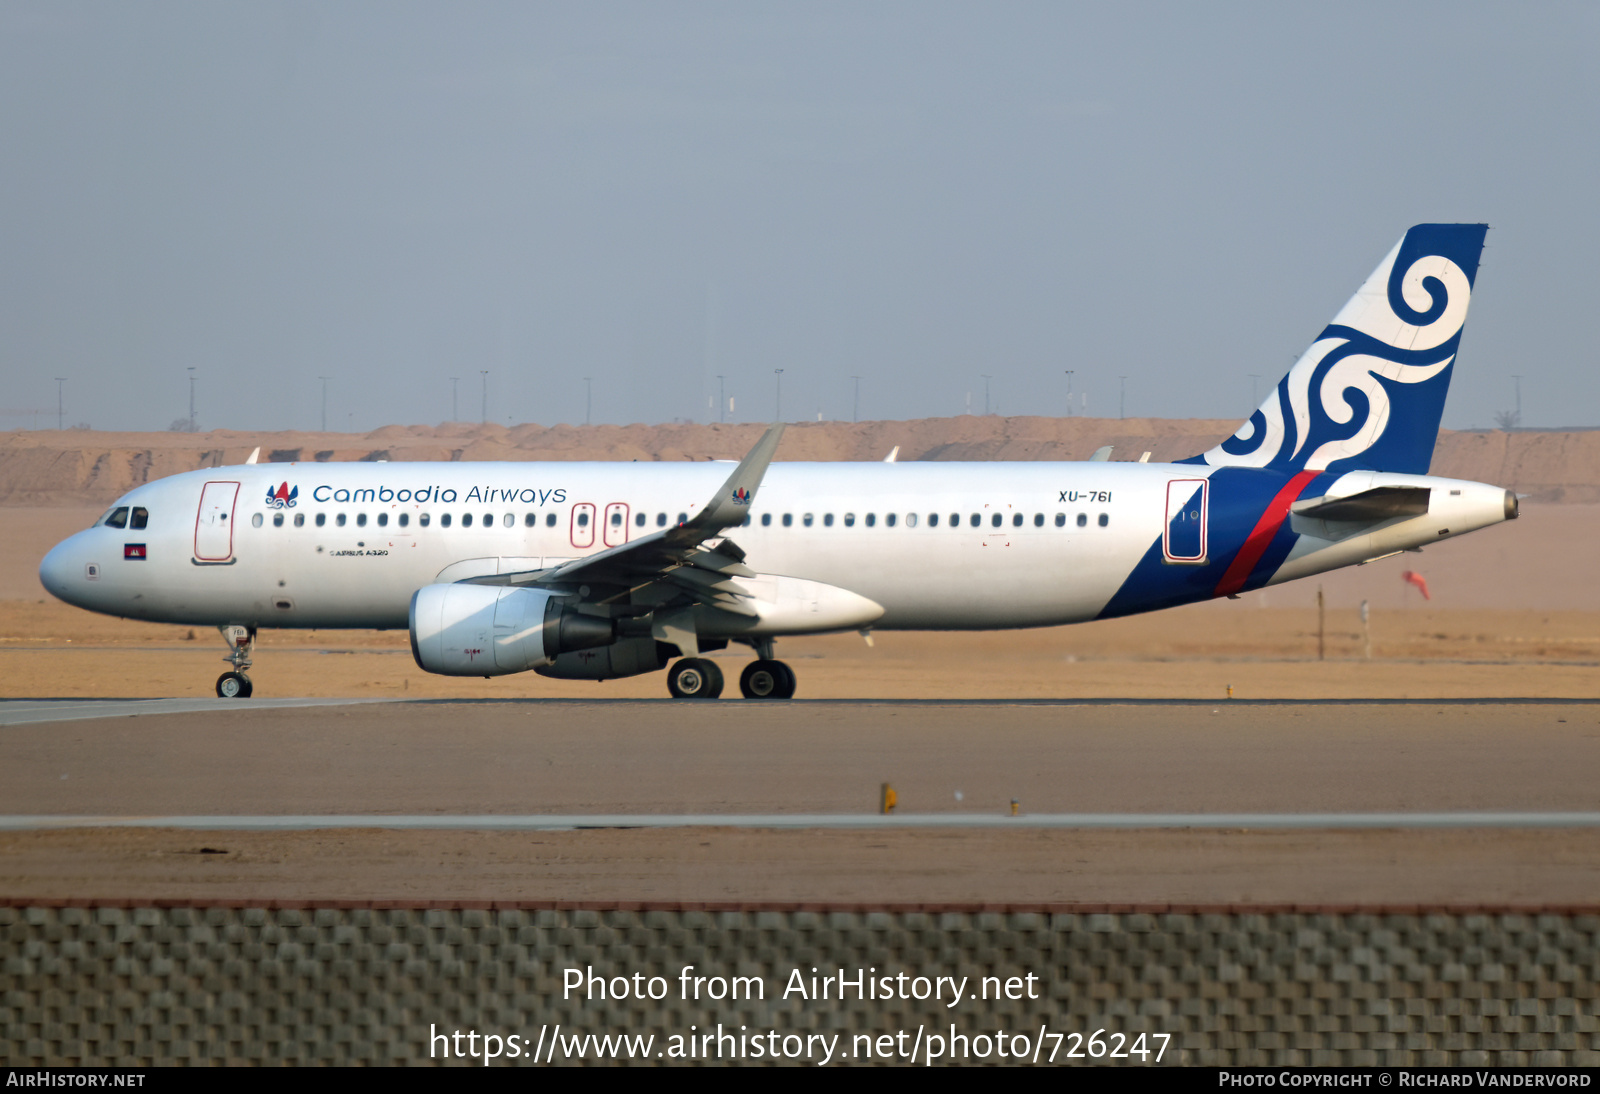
{"x": 493, "y": 630}
{"x": 625, "y": 657}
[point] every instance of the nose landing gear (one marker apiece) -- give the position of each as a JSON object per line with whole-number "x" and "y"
{"x": 241, "y": 644}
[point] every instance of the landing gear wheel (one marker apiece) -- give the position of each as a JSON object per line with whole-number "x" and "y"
{"x": 694, "y": 678}
{"x": 234, "y": 685}
{"x": 767, "y": 679}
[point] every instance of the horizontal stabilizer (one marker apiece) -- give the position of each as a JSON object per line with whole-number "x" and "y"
{"x": 1369, "y": 506}
{"x": 1101, "y": 454}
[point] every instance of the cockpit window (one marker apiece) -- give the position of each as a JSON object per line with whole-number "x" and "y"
{"x": 118, "y": 517}
{"x": 139, "y": 518}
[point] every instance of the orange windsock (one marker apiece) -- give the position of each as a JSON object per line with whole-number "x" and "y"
{"x": 1411, "y": 577}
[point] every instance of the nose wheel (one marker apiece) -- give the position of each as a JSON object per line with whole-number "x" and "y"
{"x": 241, "y": 644}
{"x": 234, "y": 685}
{"x": 767, "y": 679}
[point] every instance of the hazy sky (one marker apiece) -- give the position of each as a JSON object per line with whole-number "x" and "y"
{"x": 651, "y": 194}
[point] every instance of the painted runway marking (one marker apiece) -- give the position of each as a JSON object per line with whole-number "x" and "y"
{"x": 22, "y": 712}
{"x": 570, "y": 822}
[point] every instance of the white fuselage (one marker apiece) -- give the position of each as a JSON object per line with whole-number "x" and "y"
{"x": 936, "y": 545}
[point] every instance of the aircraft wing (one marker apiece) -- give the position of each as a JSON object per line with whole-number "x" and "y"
{"x": 681, "y": 556}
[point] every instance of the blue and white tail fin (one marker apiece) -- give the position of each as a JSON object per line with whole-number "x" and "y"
{"x": 1370, "y": 391}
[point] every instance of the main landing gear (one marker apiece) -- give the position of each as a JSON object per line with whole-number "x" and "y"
{"x": 767, "y": 679}
{"x": 700, "y": 678}
{"x": 241, "y": 644}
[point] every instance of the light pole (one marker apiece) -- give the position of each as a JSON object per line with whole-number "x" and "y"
{"x": 777, "y": 405}
{"x": 722, "y": 404}
{"x": 855, "y": 413}
{"x": 588, "y": 397}
{"x": 1069, "y": 372}
{"x": 60, "y": 413}
{"x": 455, "y": 412}
{"x": 485, "y": 374}
{"x": 986, "y": 395}
{"x": 194, "y": 426}
{"x": 1518, "y": 381}
{"x": 1122, "y": 399}
{"x": 324, "y": 380}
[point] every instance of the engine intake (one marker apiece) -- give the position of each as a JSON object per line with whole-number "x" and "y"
{"x": 494, "y": 630}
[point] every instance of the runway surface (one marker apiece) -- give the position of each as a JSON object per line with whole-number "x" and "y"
{"x": 465, "y": 769}
{"x": 19, "y": 712}
{"x": 543, "y": 822}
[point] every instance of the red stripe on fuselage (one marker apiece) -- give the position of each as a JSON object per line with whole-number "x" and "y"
{"x": 1255, "y": 545}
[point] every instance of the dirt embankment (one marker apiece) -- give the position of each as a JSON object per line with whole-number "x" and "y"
{"x": 49, "y": 467}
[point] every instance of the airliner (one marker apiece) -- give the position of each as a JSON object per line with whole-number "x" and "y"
{"x": 597, "y": 571}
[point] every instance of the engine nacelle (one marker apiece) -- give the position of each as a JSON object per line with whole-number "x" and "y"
{"x": 493, "y": 630}
{"x": 625, "y": 657}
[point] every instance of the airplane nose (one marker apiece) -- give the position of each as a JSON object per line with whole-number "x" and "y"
{"x": 61, "y": 570}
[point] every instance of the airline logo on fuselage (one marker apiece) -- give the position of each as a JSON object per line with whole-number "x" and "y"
{"x": 283, "y": 497}
{"x": 741, "y": 496}
{"x": 439, "y": 494}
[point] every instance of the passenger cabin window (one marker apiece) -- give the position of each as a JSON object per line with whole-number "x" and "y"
{"x": 683, "y": 518}
{"x": 638, "y": 520}
{"x": 444, "y": 520}
{"x": 361, "y": 520}
{"x": 977, "y": 519}
{"x": 1105, "y": 519}
{"x": 405, "y": 519}
{"x": 255, "y": 520}
{"x": 322, "y": 518}
{"x": 807, "y": 519}
{"x": 911, "y": 520}
{"x": 423, "y": 520}
{"x": 1038, "y": 520}
{"x": 849, "y": 520}
{"x": 1083, "y": 520}
{"x": 383, "y": 520}
{"x": 299, "y": 520}
{"x": 872, "y": 519}
{"x": 550, "y": 520}
{"x": 339, "y": 520}
{"x": 1061, "y": 520}
{"x": 139, "y": 517}
{"x": 995, "y": 520}
{"x": 661, "y": 520}
{"x": 616, "y": 520}
{"x": 583, "y": 519}
{"x": 466, "y": 520}
{"x": 508, "y": 520}
{"x": 277, "y": 520}
{"x": 827, "y": 520}
{"x": 118, "y": 518}
{"x": 488, "y": 520}
{"x": 788, "y": 520}
{"x": 933, "y": 520}
{"x": 766, "y": 520}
